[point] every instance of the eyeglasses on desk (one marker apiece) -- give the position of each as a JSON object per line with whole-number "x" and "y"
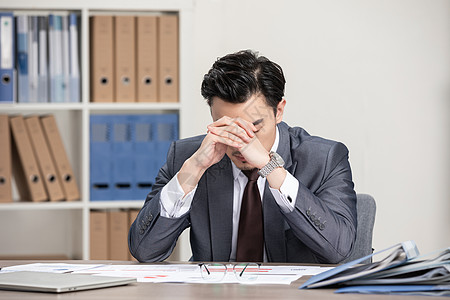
{"x": 244, "y": 272}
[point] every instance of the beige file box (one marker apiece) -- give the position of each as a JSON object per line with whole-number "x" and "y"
{"x": 45, "y": 162}
{"x": 168, "y": 59}
{"x": 147, "y": 58}
{"x": 26, "y": 171}
{"x": 63, "y": 167}
{"x": 102, "y": 59}
{"x": 125, "y": 59}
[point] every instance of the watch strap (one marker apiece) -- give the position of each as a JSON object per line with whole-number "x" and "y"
{"x": 270, "y": 166}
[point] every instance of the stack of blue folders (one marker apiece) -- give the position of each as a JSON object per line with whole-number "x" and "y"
{"x": 46, "y": 50}
{"x": 126, "y": 153}
{"x": 402, "y": 272}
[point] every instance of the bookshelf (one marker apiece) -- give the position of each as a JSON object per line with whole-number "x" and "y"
{"x": 54, "y": 229}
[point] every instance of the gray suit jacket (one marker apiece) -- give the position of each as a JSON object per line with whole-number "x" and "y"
{"x": 321, "y": 228}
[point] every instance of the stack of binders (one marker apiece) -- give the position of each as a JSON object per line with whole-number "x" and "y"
{"x": 63, "y": 67}
{"x": 126, "y": 153}
{"x": 109, "y": 232}
{"x": 134, "y": 58}
{"x": 62, "y": 163}
{"x": 37, "y": 158}
{"x": 39, "y": 58}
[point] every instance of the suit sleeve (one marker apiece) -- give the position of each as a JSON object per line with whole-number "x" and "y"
{"x": 325, "y": 219}
{"x": 153, "y": 237}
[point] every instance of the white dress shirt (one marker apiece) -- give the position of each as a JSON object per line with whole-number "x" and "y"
{"x": 174, "y": 203}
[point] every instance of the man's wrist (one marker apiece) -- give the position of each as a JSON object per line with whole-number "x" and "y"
{"x": 190, "y": 174}
{"x": 265, "y": 162}
{"x": 277, "y": 177}
{"x": 193, "y": 165}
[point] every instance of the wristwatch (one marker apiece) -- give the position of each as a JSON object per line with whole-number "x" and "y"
{"x": 276, "y": 161}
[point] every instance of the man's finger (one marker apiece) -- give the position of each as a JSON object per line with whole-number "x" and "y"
{"x": 226, "y": 137}
{"x": 238, "y": 123}
{"x": 233, "y": 129}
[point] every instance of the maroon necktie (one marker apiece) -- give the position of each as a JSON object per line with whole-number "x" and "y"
{"x": 250, "y": 241}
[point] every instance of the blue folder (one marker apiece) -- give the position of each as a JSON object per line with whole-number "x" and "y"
{"x": 166, "y": 132}
{"x": 122, "y": 156}
{"x": 144, "y": 154}
{"x": 7, "y": 58}
{"x": 74, "y": 59}
{"x": 43, "y": 93}
{"x": 22, "y": 59}
{"x": 57, "y": 84}
{"x": 153, "y": 136}
{"x": 417, "y": 290}
{"x": 100, "y": 158}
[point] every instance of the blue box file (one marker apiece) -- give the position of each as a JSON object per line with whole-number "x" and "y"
{"x": 166, "y": 132}
{"x": 123, "y": 156}
{"x": 144, "y": 153}
{"x": 101, "y": 158}
{"x": 153, "y": 136}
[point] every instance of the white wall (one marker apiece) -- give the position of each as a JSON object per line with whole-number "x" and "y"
{"x": 373, "y": 74}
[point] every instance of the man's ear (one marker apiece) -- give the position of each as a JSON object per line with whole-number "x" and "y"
{"x": 280, "y": 111}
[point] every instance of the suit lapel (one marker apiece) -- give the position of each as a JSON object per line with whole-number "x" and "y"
{"x": 220, "y": 205}
{"x": 284, "y": 145}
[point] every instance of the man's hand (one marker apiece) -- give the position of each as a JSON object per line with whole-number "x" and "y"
{"x": 212, "y": 150}
{"x": 242, "y": 134}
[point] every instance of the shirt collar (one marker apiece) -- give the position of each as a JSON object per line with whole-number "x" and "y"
{"x": 237, "y": 171}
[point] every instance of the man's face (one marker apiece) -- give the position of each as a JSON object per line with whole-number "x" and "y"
{"x": 255, "y": 110}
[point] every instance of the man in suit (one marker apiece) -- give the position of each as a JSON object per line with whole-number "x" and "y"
{"x": 301, "y": 208}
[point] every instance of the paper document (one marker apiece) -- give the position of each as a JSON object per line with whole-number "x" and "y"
{"x": 50, "y": 267}
{"x": 190, "y": 273}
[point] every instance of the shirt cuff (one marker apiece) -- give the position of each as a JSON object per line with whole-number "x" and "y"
{"x": 287, "y": 194}
{"x": 173, "y": 202}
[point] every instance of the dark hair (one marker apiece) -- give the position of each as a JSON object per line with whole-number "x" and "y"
{"x": 236, "y": 77}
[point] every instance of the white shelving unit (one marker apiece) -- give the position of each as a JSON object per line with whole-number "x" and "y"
{"x": 46, "y": 229}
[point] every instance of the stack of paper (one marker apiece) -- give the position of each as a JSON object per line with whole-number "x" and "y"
{"x": 403, "y": 271}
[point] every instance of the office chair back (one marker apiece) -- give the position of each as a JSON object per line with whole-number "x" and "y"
{"x": 366, "y": 209}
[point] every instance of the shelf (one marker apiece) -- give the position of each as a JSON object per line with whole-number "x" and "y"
{"x": 41, "y": 205}
{"x": 17, "y": 205}
{"x": 157, "y": 106}
{"x": 65, "y": 226}
{"x": 132, "y": 6}
{"x": 40, "y": 107}
{"x": 116, "y": 204}
{"x": 120, "y": 106}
